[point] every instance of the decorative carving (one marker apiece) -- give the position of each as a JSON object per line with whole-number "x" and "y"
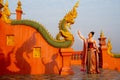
{"x": 36, "y": 52}
{"x": 6, "y": 13}
{"x": 10, "y": 40}
{"x": 65, "y": 23}
{"x": 102, "y": 34}
{"x": 113, "y": 54}
{"x": 1, "y": 1}
{"x": 19, "y": 5}
{"x": 109, "y": 45}
{"x": 1, "y": 4}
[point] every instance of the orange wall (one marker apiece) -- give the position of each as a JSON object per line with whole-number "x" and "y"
{"x": 19, "y": 57}
{"x": 110, "y": 62}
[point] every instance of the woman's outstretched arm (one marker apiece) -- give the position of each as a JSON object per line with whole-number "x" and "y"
{"x": 79, "y": 34}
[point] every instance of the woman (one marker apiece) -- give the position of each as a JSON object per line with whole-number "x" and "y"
{"x": 90, "y": 60}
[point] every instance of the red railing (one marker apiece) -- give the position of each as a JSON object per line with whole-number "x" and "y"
{"x": 76, "y": 58}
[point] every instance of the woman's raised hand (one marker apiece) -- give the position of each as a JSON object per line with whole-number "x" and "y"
{"x": 79, "y": 32}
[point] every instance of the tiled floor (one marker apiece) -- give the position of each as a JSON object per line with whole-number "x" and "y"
{"x": 105, "y": 75}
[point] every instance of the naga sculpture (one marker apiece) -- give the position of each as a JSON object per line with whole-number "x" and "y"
{"x": 109, "y": 50}
{"x": 1, "y": 1}
{"x": 66, "y": 23}
{"x": 64, "y": 38}
{"x": 1, "y": 4}
{"x": 5, "y": 14}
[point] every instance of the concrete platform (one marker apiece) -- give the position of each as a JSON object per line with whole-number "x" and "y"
{"x": 105, "y": 75}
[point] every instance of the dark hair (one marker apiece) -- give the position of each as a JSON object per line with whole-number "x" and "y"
{"x": 92, "y": 33}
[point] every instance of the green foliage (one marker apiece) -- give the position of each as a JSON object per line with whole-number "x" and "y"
{"x": 40, "y": 28}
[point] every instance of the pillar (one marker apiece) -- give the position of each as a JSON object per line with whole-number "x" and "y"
{"x": 66, "y": 58}
{"x": 18, "y": 14}
{"x": 19, "y": 11}
{"x": 102, "y": 49}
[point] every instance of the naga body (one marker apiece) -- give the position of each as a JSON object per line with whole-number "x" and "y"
{"x": 63, "y": 39}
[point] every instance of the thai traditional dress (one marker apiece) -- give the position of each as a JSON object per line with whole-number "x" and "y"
{"x": 90, "y": 61}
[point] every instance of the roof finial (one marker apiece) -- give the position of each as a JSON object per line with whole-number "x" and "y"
{"x": 19, "y": 5}
{"x": 102, "y": 34}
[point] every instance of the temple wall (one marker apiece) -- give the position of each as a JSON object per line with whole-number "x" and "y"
{"x": 24, "y": 51}
{"x": 110, "y": 62}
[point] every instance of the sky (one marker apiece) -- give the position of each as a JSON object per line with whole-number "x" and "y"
{"x": 93, "y": 15}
